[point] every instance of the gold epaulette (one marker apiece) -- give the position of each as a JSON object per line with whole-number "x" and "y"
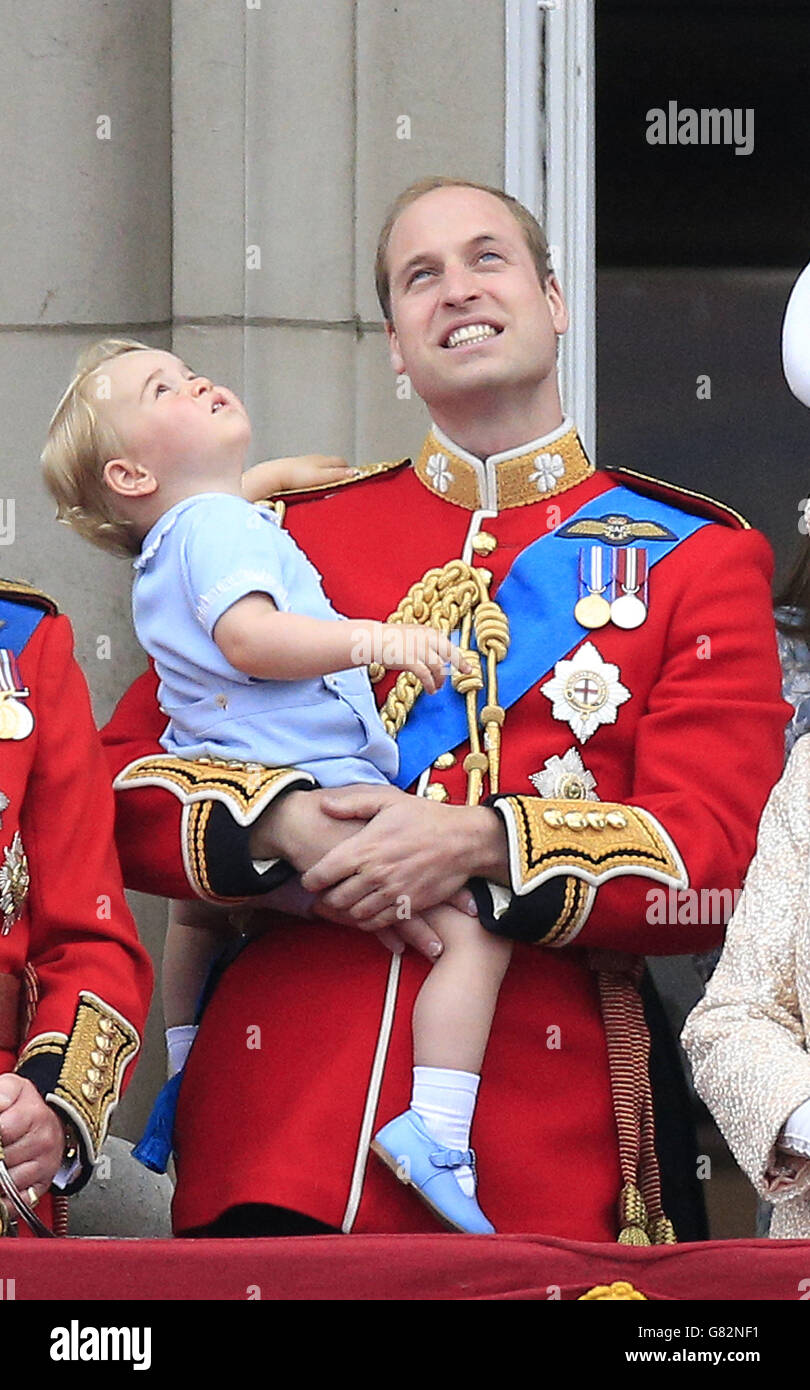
{"x": 369, "y": 470}
{"x": 17, "y": 590}
{"x": 683, "y": 497}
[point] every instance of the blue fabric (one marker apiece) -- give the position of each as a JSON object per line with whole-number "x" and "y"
{"x": 200, "y": 558}
{"x": 538, "y": 596}
{"x": 154, "y": 1148}
{"x": 18, "y": 623}
{"x": 156, "y": 1144}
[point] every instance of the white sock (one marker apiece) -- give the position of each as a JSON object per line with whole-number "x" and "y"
{"x": 444, "y": 1100}
{"x": 178, "y": 1046}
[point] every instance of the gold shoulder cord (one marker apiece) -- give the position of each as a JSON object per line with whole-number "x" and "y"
{"x": 457, "y": 596}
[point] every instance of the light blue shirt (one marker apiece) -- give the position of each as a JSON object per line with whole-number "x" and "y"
{"x": 201, "y": 557}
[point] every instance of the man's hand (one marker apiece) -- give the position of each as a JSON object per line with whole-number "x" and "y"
{"x": 32, "y": 1135}
{"x": 295, "y": 828}
{"x": 412, "y": 854}
{"x": 290, "y": 474}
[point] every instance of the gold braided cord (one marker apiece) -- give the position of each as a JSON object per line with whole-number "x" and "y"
{"x": 492, "y": 637}
{"x": 440, "y": 599}
{"x": 468, "y": 684}
{"x": 491, "y": 630}
{"x": 454, "y": 596}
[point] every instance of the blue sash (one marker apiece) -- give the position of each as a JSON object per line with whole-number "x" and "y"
{"x": 538, "y": 596}
{"x": 19, "y": 622}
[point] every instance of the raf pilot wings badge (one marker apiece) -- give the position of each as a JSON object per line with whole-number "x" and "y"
{"x": 615, "y": 528}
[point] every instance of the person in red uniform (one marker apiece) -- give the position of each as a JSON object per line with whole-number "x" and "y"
{"x": 75, "y": 982}
{"x": 608, "y": 766}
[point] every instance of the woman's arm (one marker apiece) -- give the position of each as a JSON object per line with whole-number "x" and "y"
{"x": 746, "y": 1039}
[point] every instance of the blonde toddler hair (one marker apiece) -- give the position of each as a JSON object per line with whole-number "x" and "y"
{"x": 80, "y": 441}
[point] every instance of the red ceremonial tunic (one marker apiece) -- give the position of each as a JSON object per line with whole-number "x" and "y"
{"x": 305, "y": 1048}
{"x": 75, "y": 982}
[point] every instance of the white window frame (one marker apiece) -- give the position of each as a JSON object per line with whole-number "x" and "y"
{"x": 550, "y": 167}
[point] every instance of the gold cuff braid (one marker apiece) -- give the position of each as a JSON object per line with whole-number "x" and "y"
{"x": 245, "y": 788}
{"x": 592, "y": 841}
{"x": 577, "y": 904}
{"x": 100, "y": 1046}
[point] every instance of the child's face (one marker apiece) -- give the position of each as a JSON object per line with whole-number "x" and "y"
{"x": 171, "y": 421}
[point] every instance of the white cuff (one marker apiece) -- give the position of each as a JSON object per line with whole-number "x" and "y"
{"x": 65, "y": 1176}
{"x": 795, "y": 1134}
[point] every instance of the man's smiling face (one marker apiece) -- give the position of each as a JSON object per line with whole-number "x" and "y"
{"x": 469, "y": 312}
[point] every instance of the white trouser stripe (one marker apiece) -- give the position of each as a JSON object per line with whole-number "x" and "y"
{"x": 372, "y": 1095}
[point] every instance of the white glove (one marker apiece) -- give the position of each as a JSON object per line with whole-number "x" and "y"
{"x": 795, "y": 1134}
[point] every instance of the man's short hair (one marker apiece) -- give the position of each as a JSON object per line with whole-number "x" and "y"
{"x": 80, "y": 441}
{"x": 533, "y": 232}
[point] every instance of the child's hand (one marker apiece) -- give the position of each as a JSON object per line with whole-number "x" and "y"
{"x": 421, "y": 650}
{"x": 290, "y": 474}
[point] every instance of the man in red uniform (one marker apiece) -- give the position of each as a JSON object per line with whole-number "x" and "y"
{"x": 74, "y": 981}
{"x": 595, "y": 769}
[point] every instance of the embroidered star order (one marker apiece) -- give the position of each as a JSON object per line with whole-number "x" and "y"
{"x": 565, "y": 778}
{"x": 585, "y": 691}
{"x": 14, "y": 881}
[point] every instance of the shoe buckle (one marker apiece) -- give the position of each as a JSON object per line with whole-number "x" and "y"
{"x": 453, "y": 1158}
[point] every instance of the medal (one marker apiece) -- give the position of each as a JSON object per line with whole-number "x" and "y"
{"x": 16, "y": 719}
{"x": 592, "y": 609}
{"x": 628, "y": 610}
{"x": 565, "y": 779}
{"x": 16, "y": 722}
{"x": 585, "y": 691}
{"x": 14, "y": 883}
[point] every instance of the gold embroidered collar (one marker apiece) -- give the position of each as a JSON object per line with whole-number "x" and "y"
{"x": 531, "y": 473}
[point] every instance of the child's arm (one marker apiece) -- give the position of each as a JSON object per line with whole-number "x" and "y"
{"x": 256, "y": 638}
{"x": 290, "y": 474}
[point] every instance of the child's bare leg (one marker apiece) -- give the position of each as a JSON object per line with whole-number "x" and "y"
{"x": 195, "y": 936}
{"x": 453, "y": 1013}
{"x": 451, "y": 1022}
{"x": 428, "y": 1146}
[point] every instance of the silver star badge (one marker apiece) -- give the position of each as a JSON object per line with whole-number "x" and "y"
{"x": 565, "y": 779}
{"x": 585, "y": 691}
{"x": 14, "y": 881}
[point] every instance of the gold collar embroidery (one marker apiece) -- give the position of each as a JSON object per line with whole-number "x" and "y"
{"x": 531, "y": 473}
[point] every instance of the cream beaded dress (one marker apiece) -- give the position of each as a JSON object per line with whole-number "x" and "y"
{"x": 747, "y": 1039}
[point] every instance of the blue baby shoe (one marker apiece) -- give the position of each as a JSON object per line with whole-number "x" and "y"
{"x": 421, "y": 1162}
